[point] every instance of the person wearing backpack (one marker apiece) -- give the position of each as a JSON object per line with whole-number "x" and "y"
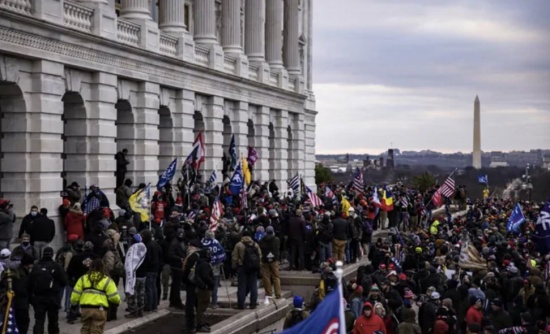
{"x": 325, "y": 236}
{"x": 246, "y": 262}
{"x": 46, "y": 280}
{"x": 297, "y": 314}
{"x": 270, "y": 246}
{"x": 192, "y": 281}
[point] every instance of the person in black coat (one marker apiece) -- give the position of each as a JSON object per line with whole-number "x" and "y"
{"x": 42, "y": 231}
{"x": 151, "y": 265}
{"x": 205, "y": 284}
{"x": 46, "y": 280}
{"x": 176, "y": 256}
{"x": 342, "y": 232}
{"x": 296, "y": 238}
{"x": 20, "y": 285}
{"x": 27, "y": 222}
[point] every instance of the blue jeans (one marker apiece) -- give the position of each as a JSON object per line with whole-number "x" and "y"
{"x": 325, "y": 251}
{"x": 356, "y": 307}
{"x": 67, "y": 290}
{"x": 215, "y": 290}
{"x": 151, "y": 292}
{"x": 348, "y": 258}
{"x": 247, "y": 283}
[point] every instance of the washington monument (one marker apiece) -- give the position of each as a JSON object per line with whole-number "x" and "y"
{"x": 476, "y": 155}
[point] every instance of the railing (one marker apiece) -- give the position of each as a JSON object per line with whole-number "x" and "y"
{"x": 292, "y": 84}
{"x": 77, "y": 16}
{"x": 253, "y": 72}
{"x": 20, "y": 6}
{"x": 273, "y": 78}
{"x": 168, "y": 45}
{"x": 128, "y": 32}
{"x": 202, "y": 55}
{"x": 229, "y": 64}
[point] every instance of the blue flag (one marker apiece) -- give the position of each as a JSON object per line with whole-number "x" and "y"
{"x": 325, "y": 319}
{"x": 168, "y": 174}
{"x": 484, "y": 179}
{"x": 516, "y": 219}
{"x": 233, "y": 153}
{"x": 237, "y": 180}
{"x": 542, "y": 230}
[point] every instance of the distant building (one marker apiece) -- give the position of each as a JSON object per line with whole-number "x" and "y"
{"x": 546, "y": 162}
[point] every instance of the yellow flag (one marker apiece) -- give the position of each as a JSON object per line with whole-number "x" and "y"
{"x": 246, "y": 172}
{"x": 139, "y": 202}
{"x": 345, "y": 205}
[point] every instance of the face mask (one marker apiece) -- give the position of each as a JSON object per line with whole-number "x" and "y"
{"x": 33, "y": 213}
{"x": 25, "y": 243}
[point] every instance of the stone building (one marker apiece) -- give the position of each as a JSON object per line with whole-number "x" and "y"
{"x": 83, "y": 79}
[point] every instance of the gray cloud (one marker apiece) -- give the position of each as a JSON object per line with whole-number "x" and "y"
{"x": 407, "y": 73}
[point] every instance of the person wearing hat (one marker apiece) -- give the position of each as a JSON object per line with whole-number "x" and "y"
{"x": 297, "y": 314}
{"x": 218, "y": 257}
{"x": 427, "y": 314}
{"x": 369, "y": 322}
{"x": 500, "y": 319}
{"x": 74, "y": 221}
{"x": 73, "y": 193}
{"x": 46, "y": 280}
{"x": 123, "y": 194}
{"x": 176, "y": 255}
{"x": 245, "y": 260}
{"x": 270, "y": 246}
{"x": 392, "y": 295}
{"x": 409, "y": 325}
{"x": 7, "y": 218}
{"x": 5, "y": 260}
{"x": 474, "y": 313}
{"x": 122, "y": 163}
{"x": 296, "y": 241}
{"x": 20, "y": 285}
{"x": 342, "y": 232}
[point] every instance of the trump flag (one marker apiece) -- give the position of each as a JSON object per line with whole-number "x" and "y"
{"x": 326, "y": 319}
{"x": 516, "y": 219}
{"x": 542, "y": 230}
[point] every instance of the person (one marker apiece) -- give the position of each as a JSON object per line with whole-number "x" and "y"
{"x": 409, "y": 325}
{"x": 217, "y": 260}
{"x": 46, "y": 280}
{"x": 74, "y": 221}
{"x": 368, "y": 322}
{"x": 427, "y": 313}
{"x": 325, "y": 238}
{"x": 246, "y": 262}
{"x": 297, "y": 314}
{"x": 94, "y": 292}
{"x": 341, "y": 232}
{"x": 296, "y": 239}
{"x": 270, "y": 247}
{"x": 42, "y": 231}
{"x": 176, "y": 255}
{"x": 151, "y": 265}
{"x": 24, "y": 248}
{"x": 135, "y": 286}
{"x": 205, "y": 284}
{"x": 527, "y": 326}
{"x": 7, "y": 218}
{"x": 20, "y": 302}
{"x": 474, "y": 314}
{"x": 191, "y": 281}
{"x": 73, "y": 193}
{"x": 121, "y": 166}
{"x": 27, "y": 222}
{"x": 123, "y": 194}
{"x": 113, "y": 266}
{"x": 500, "y": 319}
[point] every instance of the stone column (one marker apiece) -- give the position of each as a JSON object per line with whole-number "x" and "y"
{"x": 205, "y": 21}
{"x": 146, "y": 164}
{"x": 212, "y": 112}
{"x": 273, "y": 33}
{"x": 184, "y": 123}
{"x": 172, "y": 16}
{"x": 255, "y": 30}
{"x": 240, "y": 127}
{"x": 291, "y": 36}
{"x": 231, "y": 26}
{"x": 306, "y": 147}
{"x": 138, "y": 12}
{"x": 280, "y": 165}
{"x": 261, "y": 123}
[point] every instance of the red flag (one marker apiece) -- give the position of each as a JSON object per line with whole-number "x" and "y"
{"x": 437, "y": 199}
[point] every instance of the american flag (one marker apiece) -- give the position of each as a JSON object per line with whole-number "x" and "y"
{"x": 448, "y": 187}
{"x": 314, "y": 199}
{"x": 191, "y": 215}
{"x": 405, "y": 201}
{"x": 216, "y": 215}
{"x": 295, "y": 184}
{"x": 330, "y": 194}
{"x": 11, "y": 326}
{"x": 358, "y": 181}
{"x": 91, "y": 205}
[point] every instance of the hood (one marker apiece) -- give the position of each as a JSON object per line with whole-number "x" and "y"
{"x": 247, "y": 240}
{"x": 367, "y": 305}
{"x": 269, "y": 237}
{"x": 409, "y": 315}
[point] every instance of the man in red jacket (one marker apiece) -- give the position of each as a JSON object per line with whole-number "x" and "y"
{"x": 474, "y": 314}
{"x": 369, "y": 322}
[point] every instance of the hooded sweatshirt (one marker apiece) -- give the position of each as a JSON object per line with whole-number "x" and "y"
{"x": 237, "y": 256}
{"x": 409, "y": 325}
{"x": 368, "y": 325}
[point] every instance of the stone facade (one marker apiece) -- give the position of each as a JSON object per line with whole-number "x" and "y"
{"x": 80, "y": 80}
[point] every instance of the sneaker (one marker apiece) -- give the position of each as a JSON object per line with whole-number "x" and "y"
{"x": 252, "y": 306}
{"x": 203, "y": 329}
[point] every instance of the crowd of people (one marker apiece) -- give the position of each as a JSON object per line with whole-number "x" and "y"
{"x": 413, "y": 284}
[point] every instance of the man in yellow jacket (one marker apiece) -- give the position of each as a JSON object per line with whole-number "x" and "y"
{"x": 93, "y": 292}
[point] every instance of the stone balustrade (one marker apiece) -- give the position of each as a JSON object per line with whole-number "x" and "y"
{"x": 202, "y": 55}
{"x": 128, "y": 32}
{"x": 77, "y": 16}
{"x": 168, "y": 45}
{"x": 20, "y": 6}
{"x": 230, "y": 64}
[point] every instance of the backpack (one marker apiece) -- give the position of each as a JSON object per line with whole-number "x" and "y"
{"x": 326, "y": 234}
{"x": 367, "y": 227}
{"x": 295, "y": 317}
{"x": 251, "y": 260}
{"x": 43, "y": 279}
{"x": 60, "y": 258}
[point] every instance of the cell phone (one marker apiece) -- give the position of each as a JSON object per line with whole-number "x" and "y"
{"x": 63, "y": 194}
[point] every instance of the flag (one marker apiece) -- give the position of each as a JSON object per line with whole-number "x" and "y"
{"x": 448, "y": 187}
{"x": 484, "y": 179}
{"x": 541, "y": 236}
{"x": 252, "y": 156}
{"x": 236, "y": 182}
{"x": 469, "y": 256}
{"x": 233, "y": 152}
{"x": 405, "y": 201}
{"x": 328, "y": 192}
{"x": 7, "y": 321}
{"x": 216, "y": 214}
{"x": 246, "y": 172}
{"x": 358, "y": 184}
{"x": 168, "y": 174}
{"x": 139, "y": 202}
{"x": 328, "y": 317}
{"x": 313, "y": 198}
{"x": 91, "y": 205}
{"x": 212, "y": 180}
{"x": 196, "y": 157}
{"x": 295, "y": 184}
{"x": 516, "y": 219}
{"x": 387, "y": 199}
{"x": 437, "y": 199}
{"x": 345, "y": 205}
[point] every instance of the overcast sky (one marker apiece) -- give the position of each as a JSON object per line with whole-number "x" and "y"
{"x": 407, "y": 72}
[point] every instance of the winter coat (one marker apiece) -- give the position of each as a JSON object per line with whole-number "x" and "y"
{"x": 270, "y": 244}
{"x": 500, "y": 319}
{"x": 43, "y": 229}
{"x": 368, "y": 325}
{"x": 19, "y": 251}
{"x": 297, "y": 229}
{"x": 176, "y": 254}
{"x": 27, "y": 224}
{"x": 342, "y": 229}
{"x": 123, "y": 193}
{"x": 409, "y": 325}
{"x": 6, "y": 224}
{"x": 237, "y": 256}
{"x": 474, "y": 316}
{"x": 74, "y": 223}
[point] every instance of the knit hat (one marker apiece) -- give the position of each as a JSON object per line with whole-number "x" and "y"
{"x": 47, "y": 253}
{"x": 27, "y": 259}
{"x": 88, "y": 246}
{"x": 137, "y": 238}
{"x": 270, "y": 230}
{"x": 497, "y": 302}
{"x": 409, "y": 294}
{"x": 375, "y": 287}
{"x": 72, "y": 238}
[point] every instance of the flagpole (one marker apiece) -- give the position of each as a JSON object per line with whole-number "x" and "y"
{"x": 149, "y": 200}
{"x": 342, "y": 319}
{"x": 188, "y": 188}
{"x": 431, "y": 198}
